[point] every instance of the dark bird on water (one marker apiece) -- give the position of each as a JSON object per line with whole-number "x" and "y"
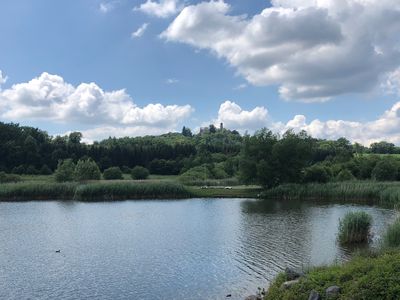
{"x": 58, "y": 251}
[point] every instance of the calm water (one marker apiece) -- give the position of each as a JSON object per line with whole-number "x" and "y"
{"x": 191, "y": 249}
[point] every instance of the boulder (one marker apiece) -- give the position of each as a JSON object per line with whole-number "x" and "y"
{"x": 288, "y": 284}
{"x": 292, "y": 274}
{"x": 332, "y": 291}
{"x": 314, "y": 296}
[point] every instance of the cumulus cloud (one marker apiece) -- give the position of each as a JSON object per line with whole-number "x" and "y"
{"x": 160, "y": 9}
{"x": 392, "y": 83}
{"x": 312, "y": 49}
{"x": 386, "y": 127}
{"x": 233, "y": 116}
{"x": 140, "y": 31}
{"x": 48, "y": 97}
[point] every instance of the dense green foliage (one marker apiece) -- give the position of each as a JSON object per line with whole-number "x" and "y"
{"x": 140, "y": 173}
{"x": 354, "y": 228}
{"x": 86, "y": 169}
{"x": 112, "y": 173}
{"x": 37, "y": 191}
{"x": 371, "y": 277}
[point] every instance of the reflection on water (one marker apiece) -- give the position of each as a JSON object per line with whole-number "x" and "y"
{"x": 192, "y": 249}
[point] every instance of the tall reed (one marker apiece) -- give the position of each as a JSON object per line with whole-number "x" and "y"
{"x": 354, "y": 228}
{"x": 391, "y": 238}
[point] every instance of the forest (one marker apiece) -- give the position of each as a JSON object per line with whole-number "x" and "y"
{"x": 263, "y": 158}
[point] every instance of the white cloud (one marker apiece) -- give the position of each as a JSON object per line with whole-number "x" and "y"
{"x": 312, "y": 49}
{"x": 392, "y": 83}
{"x": 105, "y": 7}
{"x": 140, "y": 31}
{"x": 386, "y": 127}
{"x": 160, "y": 9}
{"x": 48, "y": 97}
{"x": 171, "y": 81}
{"x": 240, "y": 86}
{"x": 234, "y": 117}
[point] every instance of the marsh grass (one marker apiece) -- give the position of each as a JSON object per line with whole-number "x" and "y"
{"x": 386, "y": 194}
{"x": 36, "y": 191}
{"x": 130, "y": 190}
{"x": 355, "y": 228}
{"x": 391, "y": 238}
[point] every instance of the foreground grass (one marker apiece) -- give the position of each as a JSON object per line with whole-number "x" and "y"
{"x": 372, "y": 277}
{"x": 385, "y": 194}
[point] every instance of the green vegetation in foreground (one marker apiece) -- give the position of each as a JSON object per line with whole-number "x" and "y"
{"x": 368, "y": 277}
{"x": 385, "y": 194}
{"x": 355, "y": 228}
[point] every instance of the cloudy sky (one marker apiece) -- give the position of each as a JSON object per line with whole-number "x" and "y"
{"x": 137, "y": 67}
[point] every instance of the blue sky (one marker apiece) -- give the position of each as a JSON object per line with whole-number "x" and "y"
{"x": 202, "y": 65}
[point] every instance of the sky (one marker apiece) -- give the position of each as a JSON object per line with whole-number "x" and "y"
{"x": 139, "y": 67}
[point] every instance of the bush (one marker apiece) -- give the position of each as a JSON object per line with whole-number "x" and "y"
{"x": 126, "y": 170}
{"x": 345, "y": 175}
{"x": 316, "y": 174}
{"x": 354, "y": 227}
{"x": 87, "y": 169}
{"x": 139, "y": 172}
{"x": 196, "y": 174}
{"x": 45, "y": 170}
{"x": 392, "y": 235}
{"x": 31, "y": 170}
{"x": 5, "y": 178}
{"x": 65, "y": 171}
{"x": 18, "y": 170}
{"x": 112, "y": 173}
{"x": 385, "y": 170}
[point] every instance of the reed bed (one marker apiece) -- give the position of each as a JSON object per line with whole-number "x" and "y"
{"x": 391, "y": 238}
{"x": 382, "y": 193}
{"x": 130, "y": 190}
{"x": 23, "y": 191}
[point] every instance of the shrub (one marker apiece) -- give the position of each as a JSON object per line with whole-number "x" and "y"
{"x": 315, "y": 174}
{"x": 18, "y": 170}
{"x": 112, "y": 173}
{"x": 345, "y": 175}
{"x": 87, "y": 169}
{"x": 45, "y": 170}
{"x": 385, "y": 170}
{"x": 5, "y": 178}
{"x": 354, "y": 227}
{"x": 65, "y": 171}
{"x": 139, "y": 172}
{"x": 126, "y": 170}
{"x": 196, "y": 174}
{"x": 31, "y": 170}
{"x": 392, "y": 235}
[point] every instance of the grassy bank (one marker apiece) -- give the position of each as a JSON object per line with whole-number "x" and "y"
{"x": 368, "y": 277}
{"x": 385, "y": 194}
{"x": 45, "y": 188}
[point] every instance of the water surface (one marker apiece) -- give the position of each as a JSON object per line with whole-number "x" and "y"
{"x": 190, "y": 249}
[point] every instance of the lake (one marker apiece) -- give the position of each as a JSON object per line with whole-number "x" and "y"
{"x": 185, "y": 249}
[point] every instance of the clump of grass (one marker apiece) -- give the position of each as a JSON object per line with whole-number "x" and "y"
{"x": 130, "y": 190}
{"x": 391, "y": 238}
{"x": 354, "y": 228}
{"x": 6, "y": 178}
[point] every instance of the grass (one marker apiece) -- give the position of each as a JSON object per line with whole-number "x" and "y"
{"x": 130, "y": 190}
{"x": 31, "y": 190}
{"x": 354, "y": 228}
{"x": 222, "y": 192}
{"x": 391, "y": 238}
{"x": 385, "y": 194}
{"x": 364, "y": 277}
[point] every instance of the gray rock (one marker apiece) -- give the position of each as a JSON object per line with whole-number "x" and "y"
{"x": 253, "y": 297}
{"x": 314, "y": 296}
{"x": 292, "y": 274}
{"x": 332, "y": 291}
{"x": 289, "y": 284}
